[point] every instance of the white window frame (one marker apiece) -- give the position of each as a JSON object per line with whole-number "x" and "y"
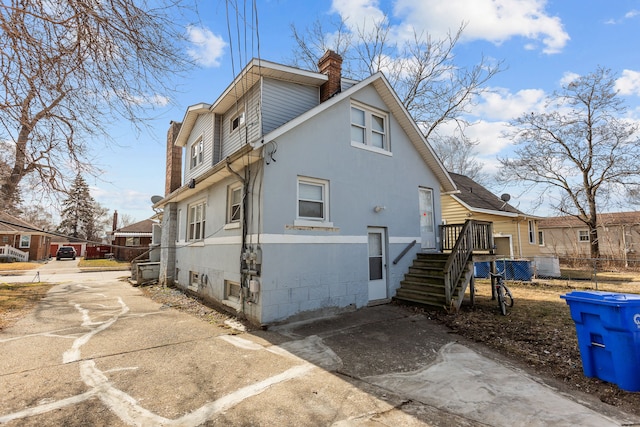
{"x": 231, "y": 190}
{"x": 369, "y": 130}
{"x": 322, "y": 221}
{"x": 196, "y": 224}
{"x": 237, "y": 121}
{"x": 581, "y": 236}
{"x": 25, "y": 240}
{"x": 540, "y": 237}
{"x": 197, "y": 152}
{"x": 532, "y": 232}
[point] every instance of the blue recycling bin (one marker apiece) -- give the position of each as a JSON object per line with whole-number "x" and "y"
{"x": 608, "y": 330}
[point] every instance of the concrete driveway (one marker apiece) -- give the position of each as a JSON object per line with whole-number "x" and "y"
{"x": 97, "y": 352}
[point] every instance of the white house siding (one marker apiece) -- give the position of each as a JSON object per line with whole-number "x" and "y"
{"x": 284, "y": 101}
{"x": 316, "y": 269}
{"x": 202, "y": 127}
{"x": 250, "y": 131}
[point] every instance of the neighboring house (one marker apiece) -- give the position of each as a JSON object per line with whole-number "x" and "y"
{"x": 15, "y": 233}
{"x": 618, "y": 233}
{"x": 300, "y": 190}
{"x": 133, "y": 240}
{"x": 515, "y": 234}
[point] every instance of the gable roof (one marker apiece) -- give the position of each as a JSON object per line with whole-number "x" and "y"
{"x": 604, "y": 219}
{"x": 477, "y": 198}
{"x": 243, "y": 82}
{"x": 388, "y": 95}
{"x": 12, "y": 224}
{"x": 145, "y": 226}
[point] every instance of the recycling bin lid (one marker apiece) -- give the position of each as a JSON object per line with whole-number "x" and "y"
{"x": 602, "y": 297}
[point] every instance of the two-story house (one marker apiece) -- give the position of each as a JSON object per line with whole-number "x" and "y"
{"x": 291, "y": 194}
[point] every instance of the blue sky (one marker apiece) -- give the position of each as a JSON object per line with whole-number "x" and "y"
{"x": 542, "y": 43}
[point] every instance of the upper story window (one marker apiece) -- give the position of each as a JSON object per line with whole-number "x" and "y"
{"x": 583, "y": 235}
{"x": 197, "y": 152}
{"x": 540, "y": 238}
{"x": 236, "y": 121}
{"x": 234, "y": 203}
{"x": 369, "y": 128}
{"x": 196, "y": 221}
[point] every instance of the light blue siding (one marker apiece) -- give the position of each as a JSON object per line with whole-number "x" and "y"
{"x": 202, "y": 128}
{"x": 250, "y": 131}
{"x": 284, "y": 101}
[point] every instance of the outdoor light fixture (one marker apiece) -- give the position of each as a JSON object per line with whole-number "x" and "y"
{"x": 379, "y": 209}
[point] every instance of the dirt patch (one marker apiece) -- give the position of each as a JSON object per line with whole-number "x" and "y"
{"x": 538, "y": 332}
{"x": 175, "y": 298}
{"x": 17, "y": 300}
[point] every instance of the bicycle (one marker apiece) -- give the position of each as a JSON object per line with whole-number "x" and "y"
{"x": 502, "y": 292}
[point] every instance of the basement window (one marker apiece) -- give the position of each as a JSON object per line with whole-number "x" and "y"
{"x": 232, "y": 291}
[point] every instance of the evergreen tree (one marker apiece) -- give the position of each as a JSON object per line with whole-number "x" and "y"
{"x": 78, "y": 213}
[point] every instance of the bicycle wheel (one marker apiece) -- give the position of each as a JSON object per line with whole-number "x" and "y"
{"x": 508, "y": 298}
{"x": 501, "y": 302}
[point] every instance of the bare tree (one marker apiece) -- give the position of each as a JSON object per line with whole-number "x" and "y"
{"x": 423, "y": 71}
{"x": 580, "y": 146}
{"x": 69, "y": 68}
{"x": 458, "y": 156}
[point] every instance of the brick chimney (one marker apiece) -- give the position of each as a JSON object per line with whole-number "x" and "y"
{"x": 174, "y": 160}
{"x": 331, "y": 65}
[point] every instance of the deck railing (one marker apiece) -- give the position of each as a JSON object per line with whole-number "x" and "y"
{"x": 481, "y": 233}
{"x": 7, "y": 251}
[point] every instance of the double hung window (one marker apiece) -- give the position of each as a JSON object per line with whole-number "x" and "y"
{"x": 312, "y": 199}
{"x": 197, "y": 153}
{"x": 195, "y": 229}
{"x": 234, "y": 203}
{"x": 369, "y": 128}
{"x": 583, "y": 235}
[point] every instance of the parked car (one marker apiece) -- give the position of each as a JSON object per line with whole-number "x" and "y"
{"x": 65, "y": 252}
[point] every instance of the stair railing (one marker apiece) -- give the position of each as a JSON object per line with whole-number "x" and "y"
{"x": 460, "y": 255}
{"x": 404, "y": 252}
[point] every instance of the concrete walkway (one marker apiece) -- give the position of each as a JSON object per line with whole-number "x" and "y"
{"x": 97, "y": 352}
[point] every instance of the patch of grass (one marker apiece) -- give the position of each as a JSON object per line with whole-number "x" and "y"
{"x": 18, "y": 266}
{"x": 16, "y": 300}
{"x": 102, "y": 263}
{"x": 601, "y": 276}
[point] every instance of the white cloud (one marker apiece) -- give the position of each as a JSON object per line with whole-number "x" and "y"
{"x": 500, "y": 104}
{"x": 492, "y": 20}
{"x": 207, "y": 48}
{"x": 632, "y": 14}
{"x": 629, "y": 83}
{"x": 568, "y": 77}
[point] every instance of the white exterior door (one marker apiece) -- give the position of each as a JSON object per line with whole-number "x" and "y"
{"x": 427, "y": 222}
{"x": 377, "y": 264}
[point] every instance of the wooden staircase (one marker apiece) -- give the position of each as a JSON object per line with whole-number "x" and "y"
{"x": 440, "y": 280}
{"x": 424, "y": 284}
